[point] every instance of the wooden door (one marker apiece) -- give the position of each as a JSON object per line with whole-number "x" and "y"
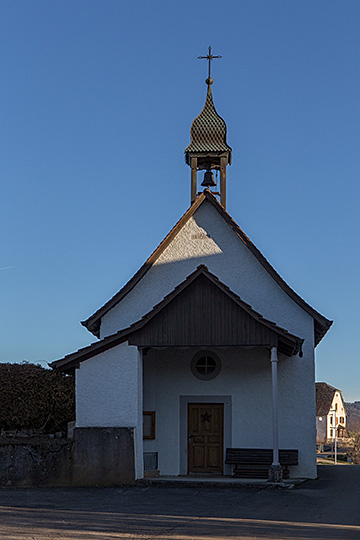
{"x": 205, "y": 437}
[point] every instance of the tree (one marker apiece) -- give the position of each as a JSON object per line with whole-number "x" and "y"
{"x": 353, "y": 416}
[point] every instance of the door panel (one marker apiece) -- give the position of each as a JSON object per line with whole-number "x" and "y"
{"x": 206, "y": 434}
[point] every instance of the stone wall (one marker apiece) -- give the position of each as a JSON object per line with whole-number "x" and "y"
{"x": 103, "y": 457}
{"x": 96, "y": 457}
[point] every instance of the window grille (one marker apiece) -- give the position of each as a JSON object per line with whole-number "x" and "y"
{"x": 150, "y": 461}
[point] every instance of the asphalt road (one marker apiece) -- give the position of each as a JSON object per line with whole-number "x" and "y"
{"x": 324, "y": 509}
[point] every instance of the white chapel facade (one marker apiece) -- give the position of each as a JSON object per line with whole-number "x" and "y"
{"x": 206, "y": 348}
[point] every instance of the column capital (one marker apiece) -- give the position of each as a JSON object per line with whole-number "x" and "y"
{"x": 274, "y": 354}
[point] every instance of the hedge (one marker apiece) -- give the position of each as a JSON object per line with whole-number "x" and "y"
{"x": 36, "y": 398}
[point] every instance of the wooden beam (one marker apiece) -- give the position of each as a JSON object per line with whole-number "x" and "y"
{"x": 193, "y": 165}
{"x": 223, "y": 161}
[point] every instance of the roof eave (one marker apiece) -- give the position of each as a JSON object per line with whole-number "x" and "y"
{"x": 289, "y": 344}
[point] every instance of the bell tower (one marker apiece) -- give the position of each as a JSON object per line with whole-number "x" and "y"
{"x": 208, "y": 149}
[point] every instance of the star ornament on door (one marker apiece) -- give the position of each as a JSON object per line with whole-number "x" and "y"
{"x": 205, "y": 417}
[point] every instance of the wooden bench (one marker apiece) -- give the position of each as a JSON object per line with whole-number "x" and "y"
{"x": 255, "y": 462}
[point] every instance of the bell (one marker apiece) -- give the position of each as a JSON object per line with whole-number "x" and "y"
{"x": 208, "y": 179}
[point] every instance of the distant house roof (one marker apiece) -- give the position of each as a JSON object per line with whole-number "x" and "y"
{"x": 324, "y": 398}
{"x": 226, "y": 321}
{"x": 321, "y": 324}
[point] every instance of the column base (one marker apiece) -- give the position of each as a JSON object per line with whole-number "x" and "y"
{"x": 275, "y": 474}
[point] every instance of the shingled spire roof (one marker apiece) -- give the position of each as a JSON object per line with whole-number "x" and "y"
{"x": 208, "y": 149}
{"x": 208, "y": 131}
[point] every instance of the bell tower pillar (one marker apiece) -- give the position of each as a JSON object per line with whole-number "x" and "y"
{"x": 193, "y": 165}
{"x": 223, "y": 164}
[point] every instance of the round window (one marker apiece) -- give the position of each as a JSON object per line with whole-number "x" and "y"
{"x": 205, "y": 365}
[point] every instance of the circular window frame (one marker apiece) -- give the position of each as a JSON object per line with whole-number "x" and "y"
{"x": 205, "y": 376}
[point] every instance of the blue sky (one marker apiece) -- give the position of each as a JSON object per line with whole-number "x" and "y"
{"x": 97, "y": 99}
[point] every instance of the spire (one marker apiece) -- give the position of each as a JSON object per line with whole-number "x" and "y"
{"x": 208, "y": 132}
{"x": 208, "y": 148}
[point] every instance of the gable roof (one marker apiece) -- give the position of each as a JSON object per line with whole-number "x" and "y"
{"x": 324, "y": 398}
{"x": 204, "y": 312}
{"x": 258, "y": 331}
{"x": 321, "y": 324}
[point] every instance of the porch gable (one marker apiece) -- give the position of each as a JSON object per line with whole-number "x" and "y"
{"x": 203, "y": 312}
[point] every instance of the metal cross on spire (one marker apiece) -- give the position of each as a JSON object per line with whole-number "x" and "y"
{"x": 209, "y": 57}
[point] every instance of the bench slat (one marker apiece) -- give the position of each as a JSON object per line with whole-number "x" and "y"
{"x": 262, "y": 456}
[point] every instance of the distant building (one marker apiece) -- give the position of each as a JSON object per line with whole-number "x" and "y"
{"x": 330, "y": 414}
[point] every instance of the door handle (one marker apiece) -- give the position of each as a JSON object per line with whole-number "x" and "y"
{"x": 189, "y": 437}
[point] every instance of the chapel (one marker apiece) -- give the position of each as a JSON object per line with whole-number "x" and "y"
{"x": 206, "y": 350}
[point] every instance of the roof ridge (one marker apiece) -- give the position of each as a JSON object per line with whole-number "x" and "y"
{"x": 329, "y": 386}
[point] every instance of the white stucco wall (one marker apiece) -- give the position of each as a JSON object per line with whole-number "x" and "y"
{"x": 109, "y": 393}
{"x": 205, "y": 239}
{"x": 246, "y": 378}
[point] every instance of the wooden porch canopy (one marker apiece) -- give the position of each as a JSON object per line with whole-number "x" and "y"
{"x": 200, "y": 312}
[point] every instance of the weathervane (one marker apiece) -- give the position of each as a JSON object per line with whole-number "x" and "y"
{"x": 209, "y": 57}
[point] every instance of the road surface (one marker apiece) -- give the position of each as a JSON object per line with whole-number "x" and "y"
{"x": 324, "y": 509}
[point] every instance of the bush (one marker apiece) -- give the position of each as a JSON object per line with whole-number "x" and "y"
{"x": 33, "y": 397}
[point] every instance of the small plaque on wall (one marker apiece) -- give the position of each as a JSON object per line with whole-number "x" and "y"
{"x": 149, "y": 424}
